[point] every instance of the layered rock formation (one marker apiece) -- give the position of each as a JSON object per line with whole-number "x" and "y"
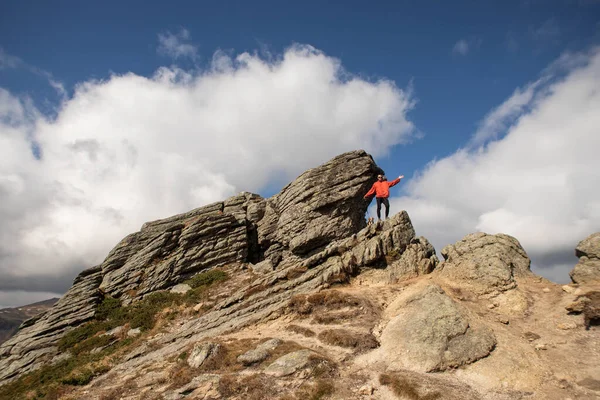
{"x": 587, "y": 269}
{"x": 308, "y": 226}
{"x": 36, "y": 340}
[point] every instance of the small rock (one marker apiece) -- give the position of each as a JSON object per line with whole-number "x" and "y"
{"x": 97, "y": 350}
{"x": 261, "y": 352}
{"x": 198, "y": 307}
{"x": 182, "y": 288}
{"x": 114, "y": 332}
{"x": 502, "y": 319}
{"x": 289, "y": 363}
{"x": 541, "y": 346}
{"x": 546, "y": 290}
{"x": 134, "y": 332}
{"x": 563, "y": 384}
{"x": 366, "y": 390}
{"x": 202, "y": 352}
{"x": 532, "y": 336}
{"x": 264, "y": 267}
{"x": 568, "y": 289}
{"x": 577, "y": 292}
{"x": 491, "y": 306}
{"x": 61, "y": 357}
{"x": 567, "y": 325}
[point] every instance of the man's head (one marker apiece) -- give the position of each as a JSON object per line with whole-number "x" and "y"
{"x": 379, "y": 177}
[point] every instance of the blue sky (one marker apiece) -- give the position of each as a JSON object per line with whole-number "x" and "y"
{"x": 508, "y": 44}
{"x": 448, "y": 67}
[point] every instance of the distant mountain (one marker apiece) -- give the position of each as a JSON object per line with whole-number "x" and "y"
{"x": 12, "y": 318}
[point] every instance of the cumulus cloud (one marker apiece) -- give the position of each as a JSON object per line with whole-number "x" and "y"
{"x": 175, "y": 45}
{"x": 538, "y": 180}
{"x": 129, "y": 149}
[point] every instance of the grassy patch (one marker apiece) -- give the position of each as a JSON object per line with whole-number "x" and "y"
{"x": 301, "y": 330}
{"x": 345, "y": 338}
{"x": 317, "y": 390}
{"x": 252, "y": 387}
{"x": 52, "y": 381}
{"x": 181, "y": 374}
{"x": 207, "y": 278}
{"x": 320, "y": 385}
{"x": 404, "y": 388}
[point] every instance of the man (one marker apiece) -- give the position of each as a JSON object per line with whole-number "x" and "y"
{"x": 381, "y": 188}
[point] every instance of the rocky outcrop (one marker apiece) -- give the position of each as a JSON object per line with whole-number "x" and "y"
{"x": 321, "y": 205}
{"x": 36, "y": 341}
{"x": 587, "y": 269}
{"x": 429, "y": 332}
{"x": 308, "y": 229}
{"x": 268, "y": 296}
{"x": 483, "y": 263}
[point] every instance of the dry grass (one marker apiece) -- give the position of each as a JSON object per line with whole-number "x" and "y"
{"x": 344, "y": 338}
{"x": 335, "y": 306}
{"x": 327, "y": 300}
{"x": 252, "y": 387}
{"x": 405, "y": 388}
{"x": 336, "y": 317}
{"x": 320, "y": 383}
{"x": 181, "y": 374}
{"x": 313, "y": 390}
{"x": 301, "y": 330}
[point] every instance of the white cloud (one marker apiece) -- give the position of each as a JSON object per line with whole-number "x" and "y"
{"x": 176, "y": 46}
{"x": 461, "y": 47}
{"x": 130, "y": 149}
{"x": 538, "y": 181}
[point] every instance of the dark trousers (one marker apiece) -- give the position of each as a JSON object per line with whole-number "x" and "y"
{"x": 385, "y": 202}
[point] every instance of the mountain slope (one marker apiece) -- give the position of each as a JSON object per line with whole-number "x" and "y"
{"x": 12, "y": 318}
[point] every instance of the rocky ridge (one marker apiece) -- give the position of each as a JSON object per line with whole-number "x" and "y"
{"x": 321, "y": 303}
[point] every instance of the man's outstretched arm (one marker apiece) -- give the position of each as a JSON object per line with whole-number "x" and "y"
{"x": 395, "y": 181}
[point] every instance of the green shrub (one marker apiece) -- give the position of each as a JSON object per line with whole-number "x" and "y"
{"x": 110, "y": 309}
{"x": 207, "y": 278}
{"x": 92, "y": 343}
{"x": 79, "y": 378}
{"x": 80, "y": 334}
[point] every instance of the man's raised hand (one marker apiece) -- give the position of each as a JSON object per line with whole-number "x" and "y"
{"x": 401, "y": 176}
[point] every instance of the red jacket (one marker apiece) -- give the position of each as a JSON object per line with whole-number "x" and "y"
{"x": 382, "y": 189}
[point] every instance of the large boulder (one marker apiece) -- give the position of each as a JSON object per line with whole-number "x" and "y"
{"x": 321, "y": 205}
{"x": 483, "y": 263}
{"x": 587, "y": 269}
{"x": 428, "y": 331}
